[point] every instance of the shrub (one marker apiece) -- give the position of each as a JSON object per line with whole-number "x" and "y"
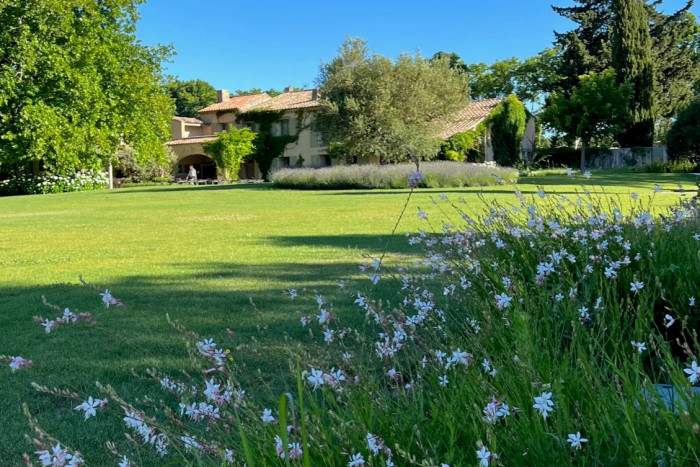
{"x": 44, "y": 184}
{"x": 541, "y": 329}
{"x": 135, "y": 171}
{"x": 435, "y": 175}
{"x": 683, "y": 138}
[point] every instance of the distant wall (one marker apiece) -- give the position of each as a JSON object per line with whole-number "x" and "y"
{"x": 626, "y": 157}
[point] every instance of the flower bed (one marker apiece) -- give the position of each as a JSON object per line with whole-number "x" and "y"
{"x": 43, "y": 184}
{"x": 442, "y": 174}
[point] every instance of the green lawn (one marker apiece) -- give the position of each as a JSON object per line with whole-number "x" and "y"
{"x": 198, "y": 254}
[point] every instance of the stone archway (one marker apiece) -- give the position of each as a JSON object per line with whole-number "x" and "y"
{"x": 203, "y": 164}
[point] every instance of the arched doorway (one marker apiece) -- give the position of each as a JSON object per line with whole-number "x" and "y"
{"x": 203, "y": 164}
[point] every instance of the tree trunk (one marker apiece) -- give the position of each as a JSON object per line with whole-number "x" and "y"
{"x": 583, "y": 155}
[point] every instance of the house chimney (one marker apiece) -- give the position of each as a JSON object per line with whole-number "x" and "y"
{"x": 222, "y": 95}
{"x": 314, "y": 94}
{"x": 289, "y": 89}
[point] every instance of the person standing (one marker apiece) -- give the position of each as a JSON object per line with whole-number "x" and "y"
{"x": 192, "y": 175}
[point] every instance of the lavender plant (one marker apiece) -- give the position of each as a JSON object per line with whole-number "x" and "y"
{"x": 444, "y": 174}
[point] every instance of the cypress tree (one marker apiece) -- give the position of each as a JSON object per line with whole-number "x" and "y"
{"x": 631, "y": 54}
{"x": 586, "y": 49}
{"x": 675, "y": 49}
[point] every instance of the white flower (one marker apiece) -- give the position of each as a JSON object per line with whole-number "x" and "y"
{"x": 125, "y": 462}
{"x": 316, "y": 378}
{"x": 640, "y": 346}
{"x": 588, "y": 175}
{"x": 267, "y": 416}
{"x": 575, "y": 440}
{"x": 484, "y": 456}
{"x": 503, "y": 301}
{"x": 569, "y": 172}
{"x": 107, "y": 298}
{"x": 636, "y": 286}
{"x": 544, "y": 404}
{"x": 18, "y": 362}
{"x": 669, "y": 320}
{"x": 657, "y": 189}
{"x": 356, "y": 460}
{"x": 693, "y": 372}
{"x": 89, "y": 407}
{"x": 443, "y": 381}
{"x": 691, "y": 302}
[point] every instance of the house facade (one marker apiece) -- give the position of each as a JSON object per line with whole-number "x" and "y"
{"x": 299, "y": 108}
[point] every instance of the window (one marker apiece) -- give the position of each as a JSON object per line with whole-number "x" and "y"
{"x": 284, "y": 161}
{"x": 223, "y": 126}
{"x": 284, "y": 127}
{"x": 251, "y": 125}
{"x": 327, "y": 159}
{"x": 319, "y": 140}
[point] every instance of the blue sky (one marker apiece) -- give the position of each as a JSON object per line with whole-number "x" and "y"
{"x": 241, "y": 45}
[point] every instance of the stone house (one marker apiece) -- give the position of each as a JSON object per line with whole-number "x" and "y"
{"x": 478, "y": 111}
{"x": 299, "y": 108}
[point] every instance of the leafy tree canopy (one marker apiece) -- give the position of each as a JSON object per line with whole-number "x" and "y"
{"x": 76, "y": 84}
{"x": 272, "y": 92}
{"x": 527, "y": 79}
{"x": 190, "y": 96}
{"x": 230, "y": 148}
{"x": 374, "y": 106}
{"x": 683, "y": 139}
{"x": 675, "y": 51}
{"x": 598, "y": 106}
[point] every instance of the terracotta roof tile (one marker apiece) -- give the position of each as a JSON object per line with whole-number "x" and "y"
{"x": 190, "y": 120}
{"x": 239, "y": 103}
{"x": 192, "y": 140}
{"x": 469, "y": 117}
{"x": 292, "y": 100}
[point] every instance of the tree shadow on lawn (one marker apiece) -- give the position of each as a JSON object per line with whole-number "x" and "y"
{"x": 138, "y": 336}
{"x": 177, "y": 188}
{"x": 364, "y": 243}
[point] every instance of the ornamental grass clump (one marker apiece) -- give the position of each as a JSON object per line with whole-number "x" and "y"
{"x": 535, "y": 334}
{"x": 442, "y": 174}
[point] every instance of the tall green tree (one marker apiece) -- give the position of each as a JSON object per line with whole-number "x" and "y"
{"x": 230, "y": 148}
{"x": 374, "y": 106}
{"x": 597, "y": 107}
{"x": 76, "y": 84}
{"x": 676, "y": 57}
{"x": 587, "y": 47}
{"x": 633, "y": 65}
{"x": 190, "y": 96}
{"x": 675, "y": 49}
{"x": 507, "y": 125}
